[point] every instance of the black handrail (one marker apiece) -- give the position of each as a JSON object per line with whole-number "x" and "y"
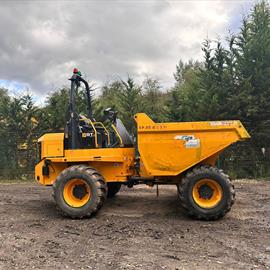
{"x": 74, "y": 121}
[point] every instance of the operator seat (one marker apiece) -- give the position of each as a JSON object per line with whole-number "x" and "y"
{"x": 125, "y": 136}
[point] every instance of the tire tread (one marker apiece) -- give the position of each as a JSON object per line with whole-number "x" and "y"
{"x": 183, "y": 190}
{"x": 98, "y": 180}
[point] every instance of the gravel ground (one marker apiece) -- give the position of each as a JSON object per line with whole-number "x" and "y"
{"x": 134, "y": 230}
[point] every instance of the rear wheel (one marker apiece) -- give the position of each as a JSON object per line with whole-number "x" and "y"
{"x": 79, "y": 191}
{"x": 113, "y": 189}
{"x": 206, "y": 193}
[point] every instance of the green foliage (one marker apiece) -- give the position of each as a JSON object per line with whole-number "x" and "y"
{"x": 18, "y": 130}
{"x": 153, "y": 99}
{"x": 234, "y": 83}
{"x": 182, "y": 68}
{"x": 173, "y": 107}
{"x": 55, "y": 113}
{"x": 253, "y": 67}
{"x": 130, "y": 102}
{"x": 108, "y": 98}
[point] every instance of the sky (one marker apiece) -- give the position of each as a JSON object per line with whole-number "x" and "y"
{"x": 42, "y": 41}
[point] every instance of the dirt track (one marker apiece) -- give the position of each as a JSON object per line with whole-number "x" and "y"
{"x": 135, "y": 230}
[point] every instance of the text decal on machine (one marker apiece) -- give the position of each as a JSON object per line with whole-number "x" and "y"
{"x": 190, "y": 141}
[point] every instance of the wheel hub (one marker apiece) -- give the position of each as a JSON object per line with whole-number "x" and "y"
{"x": 79, "y": 191}
{"x": 205, "y": 192}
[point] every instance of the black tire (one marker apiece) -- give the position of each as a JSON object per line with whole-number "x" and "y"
{"x": 113, "y": 189}
{"x": 185, "y": 192}
{"x": 94, "y": 181}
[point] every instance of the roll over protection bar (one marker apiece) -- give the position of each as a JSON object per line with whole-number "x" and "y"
{"x": 74, "y": 119}
{"x": 75, "y": 82}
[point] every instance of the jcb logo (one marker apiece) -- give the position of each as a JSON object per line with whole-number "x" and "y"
{"x": 184, "y": 137}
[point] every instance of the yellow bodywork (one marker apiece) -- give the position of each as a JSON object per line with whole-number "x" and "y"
{"x": 115, "y": 164}
{"x": 165, "y": 150}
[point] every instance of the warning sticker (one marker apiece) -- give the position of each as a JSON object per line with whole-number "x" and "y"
{"x": 193, "y": 143}
{"x": 190, "y": 141}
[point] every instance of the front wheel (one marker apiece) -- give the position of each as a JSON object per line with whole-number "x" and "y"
{"x": 206, "y": 193}
{"x": 79, "y": 191}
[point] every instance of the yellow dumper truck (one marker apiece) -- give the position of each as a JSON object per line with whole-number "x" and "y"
{"x": 90, "y": 161}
